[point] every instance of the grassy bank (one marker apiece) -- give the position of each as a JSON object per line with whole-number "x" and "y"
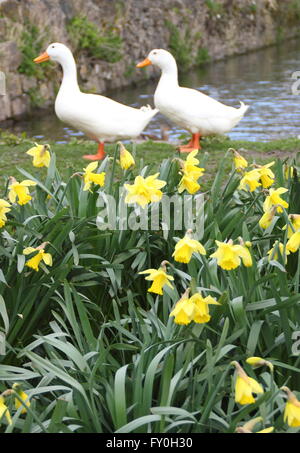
{"x": 69, "y": 156}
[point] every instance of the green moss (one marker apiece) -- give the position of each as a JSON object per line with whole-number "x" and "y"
{"x": 86, "y": 37}
{"x": 36, "y": 100}
{"x": 294, "y": 10}
{"x": 31, "y": 45}
{"x": 214, "y": 7}
{"x": 129, "y": 71}
{"x": 202, "y": 56}
{"x": 179, "y": 46}
{"x": 176, "y": 10}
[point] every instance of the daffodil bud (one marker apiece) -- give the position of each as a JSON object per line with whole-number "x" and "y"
{"x": 258, "y": 361}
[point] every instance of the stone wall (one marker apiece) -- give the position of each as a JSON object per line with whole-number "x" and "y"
{"x": 195, "y": 30}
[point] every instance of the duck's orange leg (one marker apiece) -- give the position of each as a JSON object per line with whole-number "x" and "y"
{"x": 193, "y": 144}
{"x": 100, "y": 153}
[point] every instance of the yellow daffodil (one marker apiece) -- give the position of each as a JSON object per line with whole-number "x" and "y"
{"x": 159, "y": 277}
{"x": 201, "y": 310}
{"x": 126, "y": 159}
{"x": 183, "y": 310}
{"x": 191, "y": 309}
{"x": 259, "y": 361}
{"x": 39, "y": 256}
{"x": 191, "y": 160}
{"x": 19, "y": 191}
{"x": 189, "y": 184}
{"x": 250, "y": 181}
{"x": 274, "y": 199}
{"x": 245, "y": 386}
{"x": 190, "y": 166}
{"x": 229, "y": 256}
{"x": 248, "y": 427}
{"x": 267, "y": 177}
{"x": 186, "y": 247}
{"x": 293, "y": 243}
{"x": 24, "y": 397}
{"x": 295, "y": 221}
{"x": 267, "y": 218}
{"x": 239, "y": 161}
{"x": 4, "y": 411}
{"x": 89, "y": 177}
{"x": 273, "y": 253}
{"x": 4, "y": 209}
{"x": 144, "y": 190}
{"x": 190, "y": 174}
{"x": 292, "y": 409}
{"x": 40, "y": 154}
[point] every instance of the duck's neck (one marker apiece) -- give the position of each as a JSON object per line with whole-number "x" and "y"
{"x": 169, "y": 76}
{"x": 69, "y": 81}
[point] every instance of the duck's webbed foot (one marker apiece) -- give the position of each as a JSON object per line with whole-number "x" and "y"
{"x": 193, "y": 144}
{"x": 100, "y": 153}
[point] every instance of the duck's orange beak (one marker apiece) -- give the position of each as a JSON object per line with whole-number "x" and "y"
{"x": 42, "y": 58}
{"x": 143, "y": 63}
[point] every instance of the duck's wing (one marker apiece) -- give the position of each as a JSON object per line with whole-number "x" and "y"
{"x": 116, "y": 109}
{"x": 193, "y": 102}
{"x": 195, "y": 110}
{"x": 101, "y": 116}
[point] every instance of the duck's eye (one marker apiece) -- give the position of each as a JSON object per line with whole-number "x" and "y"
{"x": 53, "y": 47}
{"x": 154, "y": 53}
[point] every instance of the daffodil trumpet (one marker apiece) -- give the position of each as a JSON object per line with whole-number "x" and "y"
{"x": 126, "y": 159}
{"x": 230, "y": 256}
{"x": 240, "y": 162}
{"x": 39, "y": 255}
{"x": 41, "y": 155}
{"x": 186, "y": 247}
{"x": 245, "y": 386}
{"x": 159, "y": 278}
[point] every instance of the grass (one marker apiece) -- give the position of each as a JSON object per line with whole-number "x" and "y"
{"x": 69, "y": 156}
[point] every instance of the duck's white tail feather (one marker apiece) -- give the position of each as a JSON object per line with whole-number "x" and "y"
{"x": 238, "y": 115}
{"x": 243, "y": 109}
{"x": 149, "y": 111}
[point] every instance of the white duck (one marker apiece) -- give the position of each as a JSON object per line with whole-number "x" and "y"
{"x": 99, "y": 117}
{"x": 188, "y": 108}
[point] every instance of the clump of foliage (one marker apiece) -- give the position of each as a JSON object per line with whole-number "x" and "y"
{"x": 214, "y": 7}
{"x": 202, "y": 56}
{"x": 179, "y": 46}
{"x": 32, "y": 42}
{"x": 35, "y": 97}
{"x": 7, "y": 138}
{"x": 85, "y": 35}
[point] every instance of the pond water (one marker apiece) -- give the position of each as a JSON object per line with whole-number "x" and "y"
{"x": 262, "y": 79}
